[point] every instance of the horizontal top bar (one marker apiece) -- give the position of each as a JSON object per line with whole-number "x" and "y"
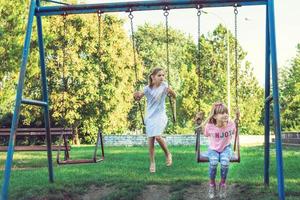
{"x": 141, "y": 6}
{"x": 5, "y": 134}
{"x": 34, "y": 102}
{"x": 35, "y": 129}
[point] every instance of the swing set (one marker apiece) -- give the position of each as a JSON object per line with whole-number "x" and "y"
{"x": 37, "y": 11}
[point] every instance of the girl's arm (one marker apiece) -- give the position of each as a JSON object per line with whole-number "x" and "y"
{"x": 138, "y": 95}
{"x": 171, "y": 92}
{"x": 205, "y": 132}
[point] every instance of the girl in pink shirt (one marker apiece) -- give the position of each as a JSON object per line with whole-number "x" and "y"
{"x": 219, "y": 130}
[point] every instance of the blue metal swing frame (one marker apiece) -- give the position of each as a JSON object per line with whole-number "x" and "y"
{"x": 38, "y": 11}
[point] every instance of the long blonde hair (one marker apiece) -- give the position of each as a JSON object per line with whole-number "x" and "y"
{"x": 217, "y": 108}
{"x": 154, "y": 71}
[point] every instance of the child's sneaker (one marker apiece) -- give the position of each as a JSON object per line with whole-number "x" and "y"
{"x": 222, "y": 192}
{"x": 211, "y": 191}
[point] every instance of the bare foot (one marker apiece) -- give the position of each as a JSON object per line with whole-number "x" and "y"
{"x": 169, "y": 160}
{"x": 152, "y": 168}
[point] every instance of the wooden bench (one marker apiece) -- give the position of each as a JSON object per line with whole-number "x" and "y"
{"x": 39, "y": 132}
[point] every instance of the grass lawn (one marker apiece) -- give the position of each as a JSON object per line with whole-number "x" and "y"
{"x": 125, "y": 175}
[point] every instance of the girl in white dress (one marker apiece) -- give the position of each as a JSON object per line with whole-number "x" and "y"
{"x": 156, "y": 117}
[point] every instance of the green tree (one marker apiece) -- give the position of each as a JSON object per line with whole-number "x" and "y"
{"x": 251, "y": 101}
{"x": 94, "y": 89}
{"x": 12, "y": 29}
{"x": 290, "y": 94}
{"x": 11, "y": 39}
{"x": 12, "y": 33}
{"x": 91, "y": 89}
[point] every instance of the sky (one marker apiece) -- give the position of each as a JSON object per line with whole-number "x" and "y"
{"x": 251, "y": 28}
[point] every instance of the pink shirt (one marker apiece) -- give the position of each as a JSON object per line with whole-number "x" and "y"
{"x": 219, "y": 138}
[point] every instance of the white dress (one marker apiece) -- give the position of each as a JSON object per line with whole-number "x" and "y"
{"x": 156, "y": 117}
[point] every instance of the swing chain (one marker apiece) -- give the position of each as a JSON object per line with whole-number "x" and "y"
{"x": 64, "y": 51}
{"x": 166, "y": 9}
{"x": 135, "y": 63}
{"x": 130, "y": 14}
{"x": 99, "y": 32}
{"x": 133, "y": 44}
{"x": 166, "y": 14}
{"x": 235, "y": 9}
{"x": 65, "y": 41}
{"x": 64, "y": 82}
{"x": 172, "y": 104}
{"x": 236, "y": 54}
{"x": 199, "y": 10}
{"x": 198, "y": 56}
{"x": 99, "y": 14}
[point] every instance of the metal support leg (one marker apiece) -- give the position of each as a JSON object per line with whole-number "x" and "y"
{"x": 15, "y": 120}
{"x": 45, "y": 94}
{"x": 279, "y": 161}
{"x": 267, "y": 104}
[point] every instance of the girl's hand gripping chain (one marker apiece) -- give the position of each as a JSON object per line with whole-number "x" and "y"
{"x": 138, "y": 96}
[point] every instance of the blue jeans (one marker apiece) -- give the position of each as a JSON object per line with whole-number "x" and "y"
{"x": 216, "y": 157}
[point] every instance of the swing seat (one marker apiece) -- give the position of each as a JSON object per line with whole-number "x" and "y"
{"x": 94, "y": 159}
{"x": 235, "y": 158}
{"x": 203, "y": 157}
